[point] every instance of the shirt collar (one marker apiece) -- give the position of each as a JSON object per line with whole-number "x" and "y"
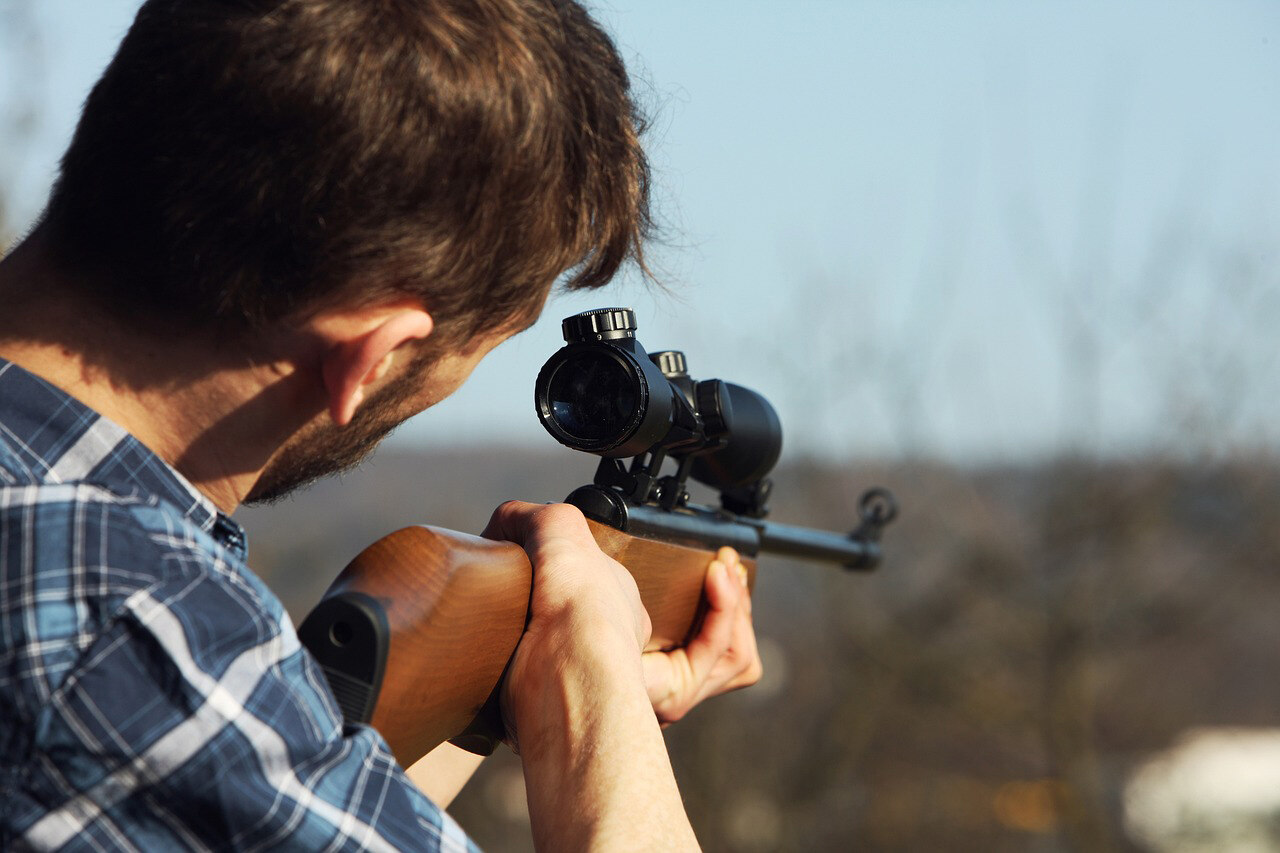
{"x": 58, "y": 439}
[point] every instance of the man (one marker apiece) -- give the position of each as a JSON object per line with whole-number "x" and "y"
{"x": 281, "y": 228}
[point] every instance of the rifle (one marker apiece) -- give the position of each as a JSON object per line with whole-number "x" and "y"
{"x": 415, "y": 634}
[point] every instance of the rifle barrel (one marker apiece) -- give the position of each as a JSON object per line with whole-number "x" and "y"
{"x": 808, "y": 544}
{"x": 704, "y": 527}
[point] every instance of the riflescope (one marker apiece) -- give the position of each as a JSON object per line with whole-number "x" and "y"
{"x": 602, "y": 393}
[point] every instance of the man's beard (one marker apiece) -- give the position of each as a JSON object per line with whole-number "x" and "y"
{"x": 323, "y": 448}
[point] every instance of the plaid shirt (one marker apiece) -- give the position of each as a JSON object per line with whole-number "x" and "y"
{"x": 153, "y": 694}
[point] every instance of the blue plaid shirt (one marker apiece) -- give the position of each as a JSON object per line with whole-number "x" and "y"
{"x": 153, "y": 694}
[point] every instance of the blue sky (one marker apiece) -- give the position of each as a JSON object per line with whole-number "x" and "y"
{"x": 975, "y": 230}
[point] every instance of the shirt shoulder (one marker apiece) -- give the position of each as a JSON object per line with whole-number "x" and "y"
{"x": 70, "y": 556}
{"x": 152, "y": 687}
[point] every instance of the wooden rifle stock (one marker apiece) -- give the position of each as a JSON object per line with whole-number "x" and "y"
{"x": 415, "y": 634}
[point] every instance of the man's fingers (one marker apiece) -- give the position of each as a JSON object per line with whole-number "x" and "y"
{"x": 511, "y": 522}
{"x": 739, "y": 661}
{"x": 676, "y": 679}
{"x": 533, "y": 526}
{"x": 722, "y": 589}
{"x": 743, "y": 650}
{"x": 723, "y": 655}
{"x": 737, "y": 571}
{"x": 570, "y": 569}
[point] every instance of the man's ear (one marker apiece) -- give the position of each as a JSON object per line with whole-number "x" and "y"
{"x": 362, "y": 351}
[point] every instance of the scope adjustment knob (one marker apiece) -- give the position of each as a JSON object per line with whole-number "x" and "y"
{"x": 714, "y": 406}
{"x": 602, "y": 324}
{"x": 671, "y": 362}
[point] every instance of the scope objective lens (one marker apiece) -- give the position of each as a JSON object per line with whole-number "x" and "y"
{"x": 592, "y": 397}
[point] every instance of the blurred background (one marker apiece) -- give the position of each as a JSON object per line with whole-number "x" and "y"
{"x": 1017, "y": 262}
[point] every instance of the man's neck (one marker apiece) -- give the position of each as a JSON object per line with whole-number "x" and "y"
{"x": 204, "y": 406}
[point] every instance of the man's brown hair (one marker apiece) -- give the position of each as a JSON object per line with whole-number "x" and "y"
{"x": 243, "y": 161}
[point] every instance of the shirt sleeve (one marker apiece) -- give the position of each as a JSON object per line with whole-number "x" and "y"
{"x": 196, "y": 721}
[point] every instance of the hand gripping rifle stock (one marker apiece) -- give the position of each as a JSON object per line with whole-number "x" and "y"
{"x": 415, "y": 634}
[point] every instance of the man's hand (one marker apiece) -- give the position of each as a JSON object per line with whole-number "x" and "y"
{"x": 595, "y": 765}
{"x": 721, "y": 657}
{"x": 581, "y": 597}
